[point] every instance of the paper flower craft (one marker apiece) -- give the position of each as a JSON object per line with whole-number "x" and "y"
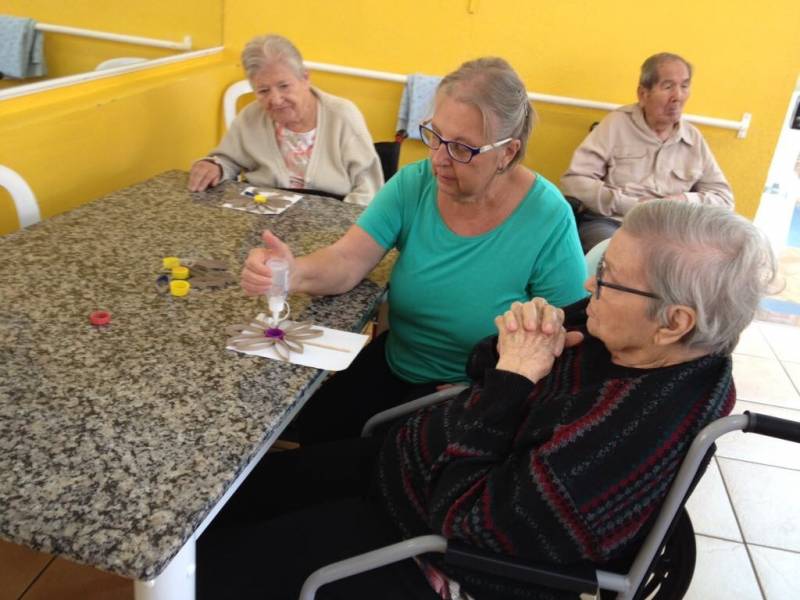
{"x": 286, "y": 337}
{"x": 259, "y": 203}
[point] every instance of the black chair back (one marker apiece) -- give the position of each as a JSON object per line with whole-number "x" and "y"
{"x": 389, "y": 153}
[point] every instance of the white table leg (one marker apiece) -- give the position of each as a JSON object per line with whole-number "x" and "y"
{"x": 176, "y": 582}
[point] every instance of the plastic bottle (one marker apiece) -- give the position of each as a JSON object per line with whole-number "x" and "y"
{"x": 279, "y": 289}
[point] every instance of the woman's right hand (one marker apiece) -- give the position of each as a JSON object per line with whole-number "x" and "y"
{"x": 530, "y": 337}
{"x": 256, "y": 275}
{"x": 204, "y": 173}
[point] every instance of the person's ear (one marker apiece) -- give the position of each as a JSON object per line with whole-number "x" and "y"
{"x": 509, "y": 152}
{"x": 681, "y": 320}
{"x": 640, "y": 94}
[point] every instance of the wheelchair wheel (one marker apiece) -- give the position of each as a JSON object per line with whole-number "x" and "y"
{"x": 672, "y": 571}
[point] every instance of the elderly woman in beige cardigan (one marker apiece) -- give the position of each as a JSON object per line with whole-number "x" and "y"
{"x": 293, "y": 135}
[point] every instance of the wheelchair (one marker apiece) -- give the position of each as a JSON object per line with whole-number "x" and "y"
{"x": 661, "y": 568}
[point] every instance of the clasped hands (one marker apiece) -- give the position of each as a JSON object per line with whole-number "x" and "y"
{"x": 531, "y": 336}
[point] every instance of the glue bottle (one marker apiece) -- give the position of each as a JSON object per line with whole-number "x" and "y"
{"x": 279, "y": 289}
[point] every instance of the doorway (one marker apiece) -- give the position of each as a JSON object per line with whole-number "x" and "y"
{"x": 778, "y": 216}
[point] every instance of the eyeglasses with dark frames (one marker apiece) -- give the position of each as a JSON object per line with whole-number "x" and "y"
{"x": 458, "y": 151}
{"x": 600, "y": 284}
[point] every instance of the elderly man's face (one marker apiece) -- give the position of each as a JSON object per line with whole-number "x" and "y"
{"x": 663, "y": 103}
{"x": 619, "y": 319}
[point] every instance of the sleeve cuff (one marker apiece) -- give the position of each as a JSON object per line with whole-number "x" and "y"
{"x": 513, "y": 385}
{"x": 218, "y": 162}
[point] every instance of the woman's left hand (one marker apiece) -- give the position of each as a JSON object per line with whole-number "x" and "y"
{"x": 530, "y": 337}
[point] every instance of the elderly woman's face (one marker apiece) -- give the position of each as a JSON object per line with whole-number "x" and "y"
{"x": 619, "y": 318}
{"x": 459, "y": 122}
{"x": 286, "y": 97}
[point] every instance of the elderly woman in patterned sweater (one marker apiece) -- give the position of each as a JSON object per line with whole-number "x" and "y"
{"x": 294, "y": 135}
{"x": 561, "y": 451}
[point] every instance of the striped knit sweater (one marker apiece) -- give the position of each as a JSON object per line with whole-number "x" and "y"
{"x": 568, "y": 470}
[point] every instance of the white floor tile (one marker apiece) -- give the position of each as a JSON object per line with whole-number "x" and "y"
{"x": 759, "y": 448}
{"x": 710, "y": 508}
{"x": 763, "y": 380}
{"x": 783, "y": 339}
{"x": 765, "y": 502}
{"x": 753, "y": 343}
{"x": 777, "y": 571}
{"x": 722, "y": 572}
{"x": 793, "y": 369}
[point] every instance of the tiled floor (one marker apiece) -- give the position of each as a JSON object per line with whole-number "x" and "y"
{"x": 745, "y": 510}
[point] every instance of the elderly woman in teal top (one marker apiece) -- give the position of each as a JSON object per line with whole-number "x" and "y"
{"x": 476, "y": 231}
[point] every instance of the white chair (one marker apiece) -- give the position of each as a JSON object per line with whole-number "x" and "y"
{"x": 594, "y": 255}
{"x": 22, "y": 195}
{"x": 231, "y": 97}
{"x": 122, "y": 61}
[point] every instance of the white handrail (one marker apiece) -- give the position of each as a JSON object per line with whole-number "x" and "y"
{"x": 740, "y": 126}
{"x": 59, "y": 82}
{"x": 186, "y": 44}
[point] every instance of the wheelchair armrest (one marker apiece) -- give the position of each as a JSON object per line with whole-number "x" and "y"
{"x": 409, "y": 407}
{"x": 574, "y": 579}
{"x": 783, "y": 429}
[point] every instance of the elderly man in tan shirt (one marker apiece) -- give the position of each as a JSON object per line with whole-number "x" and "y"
{"x": 643, "y": 151}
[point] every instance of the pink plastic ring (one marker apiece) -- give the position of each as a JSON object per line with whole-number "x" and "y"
{"x": 100, "y": 317}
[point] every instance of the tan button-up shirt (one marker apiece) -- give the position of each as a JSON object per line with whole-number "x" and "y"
{"x": 622, "y": 162}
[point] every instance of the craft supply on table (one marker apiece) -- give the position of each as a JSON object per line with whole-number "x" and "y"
{"x": 300, "y": 343}
{"x": 199, "y": 273}
{"x": 100, "y": 318}
{"x": 262, "y": 202}
{"x": 278, "y": 290}
{"x": 179, "y": 287}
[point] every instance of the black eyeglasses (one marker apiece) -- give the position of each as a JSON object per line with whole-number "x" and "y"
{"x": 599, "y": 283}
{"x": 458, "y": 151}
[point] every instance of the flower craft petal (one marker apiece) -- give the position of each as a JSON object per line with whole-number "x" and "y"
{"x": 288, "y": 336}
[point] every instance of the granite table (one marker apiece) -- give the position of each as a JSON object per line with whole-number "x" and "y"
{"x": 118, "y": 444}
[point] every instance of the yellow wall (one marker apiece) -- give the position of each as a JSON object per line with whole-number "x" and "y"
{"x": 746, "y": 58}
{"x": 67, "y": 54}
{"x": 75, "y": 144}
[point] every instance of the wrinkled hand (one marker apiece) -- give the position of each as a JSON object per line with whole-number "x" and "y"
{"x": 204, "y": 173}
{"x": 530, "y": 337}
{"x": 256, "y": 275}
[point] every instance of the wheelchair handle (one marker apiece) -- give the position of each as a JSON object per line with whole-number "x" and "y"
{"x": 772, "y": 426}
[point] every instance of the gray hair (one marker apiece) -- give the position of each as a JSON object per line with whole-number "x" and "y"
{"x": 705, "y": 257}
{"x": 269, "y": 49}
{"x": 493, "y": 87}
{"x": 648, "y": 76}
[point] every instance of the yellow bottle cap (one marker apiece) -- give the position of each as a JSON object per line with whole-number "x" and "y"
{"x": 171, "y": 261}
{"x": 180, "y": 272}
{"x": 179, "y": 287}
{"x": 259, "y": 198}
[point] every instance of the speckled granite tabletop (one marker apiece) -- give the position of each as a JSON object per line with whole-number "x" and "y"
{"x": 116, "y": 442}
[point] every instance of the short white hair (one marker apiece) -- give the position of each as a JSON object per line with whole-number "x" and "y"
{"x": 705, "y": 257}
{"x": 269, "y": 49}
